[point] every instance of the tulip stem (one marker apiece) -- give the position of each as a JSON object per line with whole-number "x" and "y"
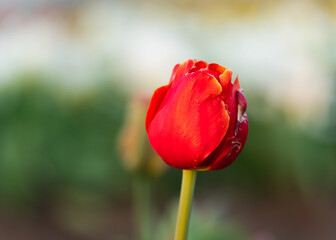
{"x": 186, "y": 196}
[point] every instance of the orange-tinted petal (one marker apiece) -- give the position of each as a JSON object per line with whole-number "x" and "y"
{"x": 225, "y": 78}
{"x": 180, "y": 70}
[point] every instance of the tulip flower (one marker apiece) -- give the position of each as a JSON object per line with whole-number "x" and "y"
{"x": 197, "y": 122}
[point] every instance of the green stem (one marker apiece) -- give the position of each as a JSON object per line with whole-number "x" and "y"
{"x": 142, "y": 207}
{"x": 186, "y": 196}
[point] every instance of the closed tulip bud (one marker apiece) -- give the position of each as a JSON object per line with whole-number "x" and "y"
{"x": 136, "y": 152}
{"x": 198, "y": 121}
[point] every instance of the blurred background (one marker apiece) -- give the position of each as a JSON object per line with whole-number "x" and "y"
{"x": 73, "y": 151}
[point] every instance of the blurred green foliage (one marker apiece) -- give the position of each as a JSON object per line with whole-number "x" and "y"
{"x": 51, "y": 141}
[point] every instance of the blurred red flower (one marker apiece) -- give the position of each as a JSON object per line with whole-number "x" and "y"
{"x": 198, "y": 121}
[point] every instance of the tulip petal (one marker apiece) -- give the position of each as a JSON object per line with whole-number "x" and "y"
{"x": 225, "y": 78}
{"x": 178, "y": 72}
{"x": 215, "y": 70}
{"x": 218, "y": 68}
{"x": 236, "y": 83}
{"x": 236, "y": 135}
{"x": 234, "y": 147}
{"x": 174, "y": 72}
{"x": 198, "y": 66}
{"x": 155, "y": 103}
{"x": 190, "y": 122}
{"x": 181, "y": 69}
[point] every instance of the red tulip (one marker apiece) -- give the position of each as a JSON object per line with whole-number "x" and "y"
{"x": 198, "y": 121}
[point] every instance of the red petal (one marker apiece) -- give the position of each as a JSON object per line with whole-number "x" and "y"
{"x": 236, "y": 136}
{"x": 233, "y": 147}
{"x": 236, "y": 83}
{"x": 218, "y": 68}
{"x": 214, "y": 70}
{"x": 155, "y": 102}
{"x": 181, "y": 69}
{"x": 190, "y": 122}
{"x": 229, "y": 95}
{"x": 198, "y": 66}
